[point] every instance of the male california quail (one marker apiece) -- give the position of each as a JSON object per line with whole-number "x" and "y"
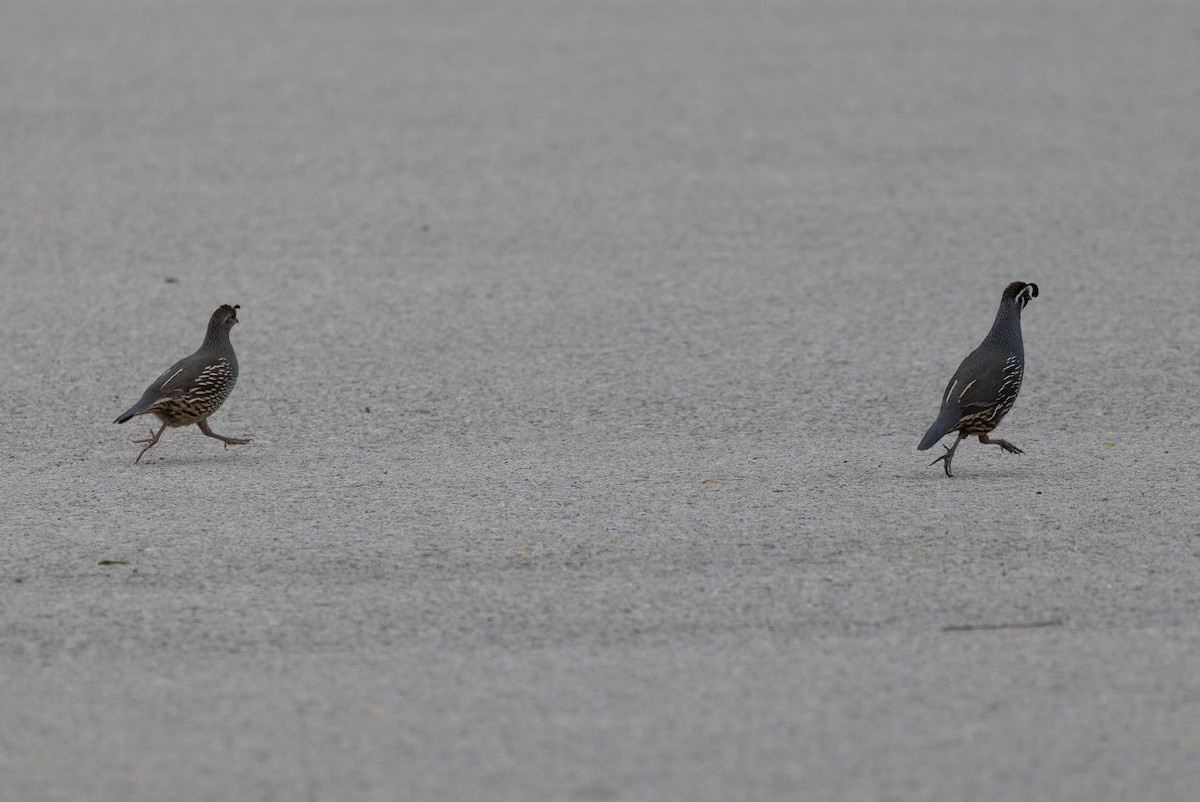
{"x": 987, "y": 382}
{"x": 195, "y": 386}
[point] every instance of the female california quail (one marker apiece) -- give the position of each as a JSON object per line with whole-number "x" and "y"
{"x": 987, "y": 382}
{"x": 194, "y": 387}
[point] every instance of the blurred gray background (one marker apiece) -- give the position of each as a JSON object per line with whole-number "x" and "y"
{"x": 585, "y": 348}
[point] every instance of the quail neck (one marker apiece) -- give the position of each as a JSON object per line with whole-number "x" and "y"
{"x": 217, "y": 337}
{"x": 1006, "y": 328}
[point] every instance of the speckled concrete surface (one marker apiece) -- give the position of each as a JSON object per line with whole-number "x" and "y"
{"x": 585, "y": 348}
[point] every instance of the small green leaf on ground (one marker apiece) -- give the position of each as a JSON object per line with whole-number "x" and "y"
{"x": 113, "y": 562}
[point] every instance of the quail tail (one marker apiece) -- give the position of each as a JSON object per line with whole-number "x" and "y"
{"x": 946, "y": 422}
{"x": 144, "y": 403}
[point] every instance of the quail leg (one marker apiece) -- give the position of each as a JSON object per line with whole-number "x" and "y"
{"x": 949, "y": 455}
{"x": 1007, "y": 446}
{"x": 228, "y": 441}
{"x": 149, "y": 441}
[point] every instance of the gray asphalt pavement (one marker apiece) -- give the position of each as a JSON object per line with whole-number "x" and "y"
{"x": 585, "y": 350}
